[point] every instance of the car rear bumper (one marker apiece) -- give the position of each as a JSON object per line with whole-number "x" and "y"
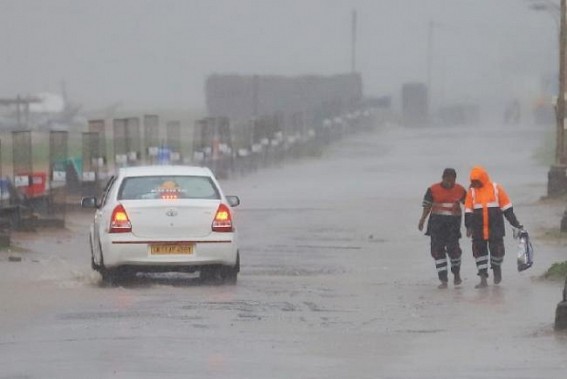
{"x": 121, "y": 252}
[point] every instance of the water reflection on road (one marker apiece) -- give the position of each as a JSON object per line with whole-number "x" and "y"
{"x": 336, "y": 280}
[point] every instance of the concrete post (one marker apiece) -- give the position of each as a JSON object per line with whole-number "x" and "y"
{"x": 557, "y": 181}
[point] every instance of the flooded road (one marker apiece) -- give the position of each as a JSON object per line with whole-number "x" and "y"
{"x": 336, "y": 280}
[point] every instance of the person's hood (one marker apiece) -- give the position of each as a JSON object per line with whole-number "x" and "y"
{"x": 480, "y": 174}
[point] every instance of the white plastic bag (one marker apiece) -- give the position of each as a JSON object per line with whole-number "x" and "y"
{"x": 525, "y": 250}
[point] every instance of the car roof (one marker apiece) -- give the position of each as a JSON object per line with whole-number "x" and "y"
{"x": 164, "y": 170}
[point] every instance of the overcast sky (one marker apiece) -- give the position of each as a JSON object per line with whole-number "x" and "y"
{"x": 158, "y": 53}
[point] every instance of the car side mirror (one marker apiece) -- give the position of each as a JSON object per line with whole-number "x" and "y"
{"x": 89, "y": 202}
{"x": 233, "y": 201}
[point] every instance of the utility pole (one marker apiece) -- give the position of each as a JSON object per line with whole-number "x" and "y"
{"x": 255, "y": 83}
{"x": 557, "y": 178}
{"x": 429, "y": 54}
{"x": 560, "y": 135}
{"x": 353, "y": 43}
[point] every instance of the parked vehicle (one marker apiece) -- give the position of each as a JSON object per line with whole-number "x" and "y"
{"x": 164, "y": 218}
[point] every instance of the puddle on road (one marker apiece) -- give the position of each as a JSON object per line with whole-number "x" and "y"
{"x": 421, "y": 331}
{"x": 293, "y": 271}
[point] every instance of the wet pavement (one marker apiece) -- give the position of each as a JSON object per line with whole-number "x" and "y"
{"x": 336, "y": 279}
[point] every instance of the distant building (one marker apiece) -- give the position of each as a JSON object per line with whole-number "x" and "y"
{"x": 415, "y": 104}
{"x": 243, "y": 97}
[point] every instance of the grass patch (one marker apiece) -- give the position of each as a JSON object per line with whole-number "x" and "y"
{"x": 553, "y": 235}
{"x": 557, "y": 271}
{"x": 14, "y": 249}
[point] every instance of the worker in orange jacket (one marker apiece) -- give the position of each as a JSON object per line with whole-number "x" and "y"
{"x": 486, "y": 205}
{"x": 442, "y": 202}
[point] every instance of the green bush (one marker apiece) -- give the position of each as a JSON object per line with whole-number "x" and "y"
{"x": 556, "y": 271}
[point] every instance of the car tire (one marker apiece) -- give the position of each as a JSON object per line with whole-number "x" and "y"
{"x": 208, "y": 274}
{"x": 229, "y": 274}
{"x": 116, "y": 276}
{"x": 94, "y": 266}
{"x": 110, "y": 277}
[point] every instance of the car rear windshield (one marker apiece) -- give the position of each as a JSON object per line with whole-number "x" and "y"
{"x": 168, "y": 187}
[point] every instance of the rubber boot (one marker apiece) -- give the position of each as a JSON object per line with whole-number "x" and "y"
{"x": 457, "y": 279}
{"x": 456, "y": 270}
{"x": 497, "y": 270}
{"x": 483, "y": 282}
{"x": 444, "y": 279}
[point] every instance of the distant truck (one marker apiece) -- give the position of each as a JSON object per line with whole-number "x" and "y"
{"x": 415, "y": 104}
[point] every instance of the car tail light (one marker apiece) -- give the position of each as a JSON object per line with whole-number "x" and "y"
{"x": 119, "y": 222}
{"x": 169, "y": 196}
{"x": 223, "y": 219}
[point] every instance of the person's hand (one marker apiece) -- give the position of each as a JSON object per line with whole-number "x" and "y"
{"x": 469, "y": 232}
{"x": 420, "y": 224}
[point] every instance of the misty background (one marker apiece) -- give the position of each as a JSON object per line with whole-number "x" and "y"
{"x": 158, "y": 53}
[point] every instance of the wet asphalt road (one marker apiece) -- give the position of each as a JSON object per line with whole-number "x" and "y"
{"x": 336, "y": 280}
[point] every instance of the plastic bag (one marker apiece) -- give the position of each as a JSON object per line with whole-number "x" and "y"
{"x": 525, "y": 250}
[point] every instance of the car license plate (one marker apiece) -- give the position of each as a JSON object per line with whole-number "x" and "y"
{"x": 171, "y": 249}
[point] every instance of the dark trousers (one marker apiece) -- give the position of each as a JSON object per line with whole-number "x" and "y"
{"x": 441, "y": 248}
{"x": 483, "y": 251}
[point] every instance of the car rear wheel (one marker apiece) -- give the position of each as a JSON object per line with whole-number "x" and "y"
{"x": 115, "y": 276}
{"x": 94, "y": 265}
{"x": 209, "y": 274}
{"x": 220, "y": 274}
{"x": 110, "y": 276}
{"x": 229, "y": 274}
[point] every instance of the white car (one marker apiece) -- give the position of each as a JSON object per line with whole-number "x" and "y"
{"x": 164, "y": 218}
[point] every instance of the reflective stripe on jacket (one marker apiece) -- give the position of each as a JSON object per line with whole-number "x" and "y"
{"x": 486, "y": 204}
{"x": 446, "y": 201}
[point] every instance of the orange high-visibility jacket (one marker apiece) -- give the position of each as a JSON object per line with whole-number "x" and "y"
{"x": 486, "y": 206}
{"x": 445, "y": 205}
{"x": 445, "y": 201}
